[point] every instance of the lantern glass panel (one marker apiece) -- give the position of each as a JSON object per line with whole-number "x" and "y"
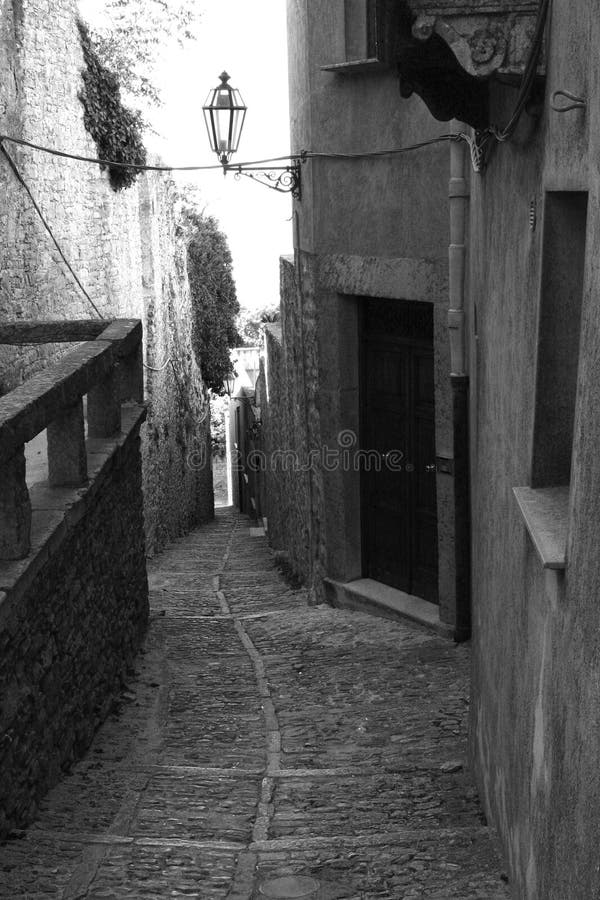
{"x": 209, "y": 128}
{"x": 237, "y": 125}
{"x": 222, "y": 120}
{"x": 224, "y": 114}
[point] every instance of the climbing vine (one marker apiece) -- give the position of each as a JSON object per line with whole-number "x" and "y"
{"x": 116, "y": 130}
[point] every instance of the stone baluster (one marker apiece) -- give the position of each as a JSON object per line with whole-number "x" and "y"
{"x": 67, "y": 457}
{"x": 104, "y": 408}
{"x": 130, "y": 373}
{"x": 15, "y": 508}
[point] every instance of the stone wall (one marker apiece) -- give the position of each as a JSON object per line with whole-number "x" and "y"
{"x": 292, "y": 431}
{"x": 123, "y": 246}
{"x": 72, "y": 618}
{"x": 176, "y": 438}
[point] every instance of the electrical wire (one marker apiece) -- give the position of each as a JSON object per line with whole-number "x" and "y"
{"x": 442, "y": 138}
{"x": 499, "y": 134}
{"x": 297, "y": 157}
{"x": 480, "y": 144}
{"x": 158, "y": 368}
{"x": 35, "y": 205}
{"x": 529, "y": 75}
{"x": 113, "y": 163}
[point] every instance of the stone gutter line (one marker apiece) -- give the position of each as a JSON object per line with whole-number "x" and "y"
{"x": 246, "y": 864}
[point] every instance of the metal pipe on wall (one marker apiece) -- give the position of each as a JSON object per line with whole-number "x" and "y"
{"x": 457, "y": 258}
{"x": 459, "y": 203}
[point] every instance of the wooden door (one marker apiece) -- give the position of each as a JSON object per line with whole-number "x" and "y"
{"x": 399, "y": 508}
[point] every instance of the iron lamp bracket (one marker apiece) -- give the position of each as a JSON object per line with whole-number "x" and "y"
{"x": 284, "y": 179}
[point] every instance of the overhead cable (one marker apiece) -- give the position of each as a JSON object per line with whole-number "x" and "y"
{"x": 35, "y": 205}
{"x": 300, "y": 157}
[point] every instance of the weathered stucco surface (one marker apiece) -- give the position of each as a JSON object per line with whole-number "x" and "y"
{"x": 122, "y": 245}
{"x": 360, "y": 231}
{"x": 536, "y": 694}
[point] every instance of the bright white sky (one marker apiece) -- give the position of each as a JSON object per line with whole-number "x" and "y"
{"x": 249, "y": 40}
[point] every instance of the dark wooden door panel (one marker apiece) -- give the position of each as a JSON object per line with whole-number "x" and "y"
{"x": 399, "y": 506}
{"x": 390, "y": 548}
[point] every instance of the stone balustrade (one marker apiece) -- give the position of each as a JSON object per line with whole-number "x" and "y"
{"x": 73, "y": 583}
{"x": 107, "y": 368}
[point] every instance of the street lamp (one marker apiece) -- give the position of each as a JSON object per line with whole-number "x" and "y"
{"x": 225, "y": 114}
{"x": 229, "y": 384}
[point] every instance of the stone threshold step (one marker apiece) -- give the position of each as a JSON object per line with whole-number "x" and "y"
{"x": 368, "y": 596}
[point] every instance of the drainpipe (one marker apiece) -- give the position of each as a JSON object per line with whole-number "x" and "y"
{"x": 459, "y": 379}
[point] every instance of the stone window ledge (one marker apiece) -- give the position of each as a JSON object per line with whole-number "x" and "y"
{"x": 546, "y": 513}
{"x": 355, "y": 66}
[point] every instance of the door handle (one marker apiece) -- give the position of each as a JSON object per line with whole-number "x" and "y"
{"x": 431, "y": 468}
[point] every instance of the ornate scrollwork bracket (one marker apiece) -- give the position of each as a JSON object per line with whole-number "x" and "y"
{"x": 284, "y": 179}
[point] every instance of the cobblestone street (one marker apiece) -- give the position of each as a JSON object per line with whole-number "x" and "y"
{"x": 267, "y": 749}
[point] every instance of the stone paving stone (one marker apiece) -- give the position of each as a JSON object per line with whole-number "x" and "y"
{"x": 159, "y": 872}
{"x": 188, "y": 646}
{"x": 203, "y": 729}
{"x": 444, "y": 867}
{"x": 172, "y": 799}
{"x": 347, "y": 702}
{"x": 213, "y": 711}
{"x": 189, "y": 806}
{"x": 183, "y": 565}
{"x": 361, "y": 805}
{"x": 36, "y": 868}
{"x": 88, "y": 801}
{"x": 242, "y": 562}
{"x": 192, "y": 603}
{"x": 246, "y": 598}
{"x": 175, "y": 583}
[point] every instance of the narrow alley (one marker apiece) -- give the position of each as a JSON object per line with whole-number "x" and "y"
{"x": 264, "y": 748}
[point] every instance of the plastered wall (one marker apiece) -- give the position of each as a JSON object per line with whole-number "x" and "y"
{"x": 536, "y": 678}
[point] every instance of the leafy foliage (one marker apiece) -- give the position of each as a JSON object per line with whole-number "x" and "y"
{"x": 251, "y": 322}
{"x": 217, "y": 425}
{"x": 131, "y": 33}
{"x": 214, "y": 299}
{"x": 116, "y": 130}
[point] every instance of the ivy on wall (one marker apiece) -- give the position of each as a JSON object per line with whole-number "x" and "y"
{"x": 116, "y": 130}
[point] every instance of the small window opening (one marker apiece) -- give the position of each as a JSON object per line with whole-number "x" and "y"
{"x": 563, "y": 271}
{"x": 361, "y": 29}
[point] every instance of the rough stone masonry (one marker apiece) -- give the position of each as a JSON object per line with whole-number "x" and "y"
{"x": 72, "y": 619}
{"x": 123, "y": 246}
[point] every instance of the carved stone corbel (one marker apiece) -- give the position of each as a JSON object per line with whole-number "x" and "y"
{"x": 448, "y": 51}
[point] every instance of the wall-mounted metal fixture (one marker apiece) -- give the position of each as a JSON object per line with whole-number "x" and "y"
{"x": 229, "y": 383}
{"x": 573, "y": 102}
{"x": 533, "y": 214}
{"x": 225, "y": 114}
